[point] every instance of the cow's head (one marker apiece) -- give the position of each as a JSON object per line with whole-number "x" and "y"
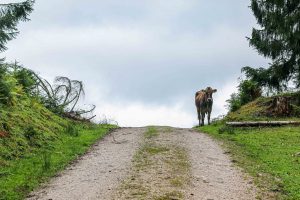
{"x": 209, "y": 91}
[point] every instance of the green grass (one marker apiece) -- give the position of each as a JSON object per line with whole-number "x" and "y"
{"x": 24, "y": 174}
{"x": 177, "y": 182}
{"x": 28, "y": 126}
{"x": 154, "y": 149}
{"x": 151, "y": 132}
{"x": 35, "y": 144}
{"x": 271, "y": 155}
{"x": 170, "y": 196}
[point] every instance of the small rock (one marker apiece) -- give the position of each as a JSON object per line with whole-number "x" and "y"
{"x": 205, "y": 181}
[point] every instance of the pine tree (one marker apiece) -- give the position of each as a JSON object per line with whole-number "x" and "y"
{"x": 10, "y": 15}
{"x": 277, "y": 39}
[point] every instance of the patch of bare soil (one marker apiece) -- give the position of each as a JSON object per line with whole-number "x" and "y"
{"x": 157, "y": 163}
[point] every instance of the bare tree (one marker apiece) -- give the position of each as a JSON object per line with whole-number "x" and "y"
{"x": 64, "y": 96}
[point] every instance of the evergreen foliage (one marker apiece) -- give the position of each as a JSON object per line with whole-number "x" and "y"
{"x": 247, "y": 91}
{"x": 234, "y": 102}
{"x": 277, "y": 39}
{"x": 10, "y": 15}
{"x": 26, "y": 79}
{"x": 15, "y": 82}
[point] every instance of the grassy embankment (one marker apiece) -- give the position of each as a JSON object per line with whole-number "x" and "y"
{"x": 270, "y": 155}
{"x": 36, "y": 144}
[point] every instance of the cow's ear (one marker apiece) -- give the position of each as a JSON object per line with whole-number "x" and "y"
{"x": 215, "y": 90}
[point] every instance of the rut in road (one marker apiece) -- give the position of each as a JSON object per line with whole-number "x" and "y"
{"x": 157, "y": 163}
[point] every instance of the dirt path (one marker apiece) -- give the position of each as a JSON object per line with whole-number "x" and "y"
{"x": 98, "y": 172}
{"x": 157, "y": 163}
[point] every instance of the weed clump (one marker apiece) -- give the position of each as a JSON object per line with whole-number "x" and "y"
{"x": 226, "y": 129}
{"x": 32, "y": 136}
{"x": 46, "y": 157}
{"x": 151, "y": 132}
{"x": 72, "y": 130}
{"x": 170, "y": 196}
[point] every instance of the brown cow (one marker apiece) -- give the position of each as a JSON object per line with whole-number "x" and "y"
{"x": 204, "y": 102}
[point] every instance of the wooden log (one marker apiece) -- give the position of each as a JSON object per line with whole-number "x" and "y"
{"x": 262, "y": 123}
{"x": 73, "y": 116}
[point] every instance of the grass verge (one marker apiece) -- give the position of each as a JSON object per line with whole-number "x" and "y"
{"x": 22, "y": 175}
{"x": 270, "y": 155}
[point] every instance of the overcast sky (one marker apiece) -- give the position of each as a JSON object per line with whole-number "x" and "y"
{"x": 141, "y": 60}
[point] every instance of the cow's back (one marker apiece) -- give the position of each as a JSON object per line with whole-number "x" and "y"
{"x": 199, "y": 98}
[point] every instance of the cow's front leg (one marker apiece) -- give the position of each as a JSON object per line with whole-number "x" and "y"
{"x": 199, "y": 116}
{"x": 208, "y": 118}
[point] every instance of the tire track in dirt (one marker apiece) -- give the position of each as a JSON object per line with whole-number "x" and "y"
{"x": 214, "y": 177}
{"x": 96, "y": 174}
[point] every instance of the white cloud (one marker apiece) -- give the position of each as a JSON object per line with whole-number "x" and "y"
{"x": 181, "y": 114}
{"x": 141, "y": 61}
{"x": 221, "y": 96}
{"x": 138, "y": 114}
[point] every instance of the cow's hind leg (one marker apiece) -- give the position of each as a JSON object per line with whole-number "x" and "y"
{"x": 202, "y": 118}
{"x": 199, "y": 116}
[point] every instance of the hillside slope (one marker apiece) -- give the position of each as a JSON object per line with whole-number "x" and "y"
{"x": 25, "y": 127}
{"x": 35, "y": 144}
{"x": 280, "y": 107}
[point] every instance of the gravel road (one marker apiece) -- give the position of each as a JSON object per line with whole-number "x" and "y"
{"x": 100, "y": 173}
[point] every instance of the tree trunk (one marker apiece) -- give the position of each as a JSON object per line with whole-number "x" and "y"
{"x": 281, "y": 106}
